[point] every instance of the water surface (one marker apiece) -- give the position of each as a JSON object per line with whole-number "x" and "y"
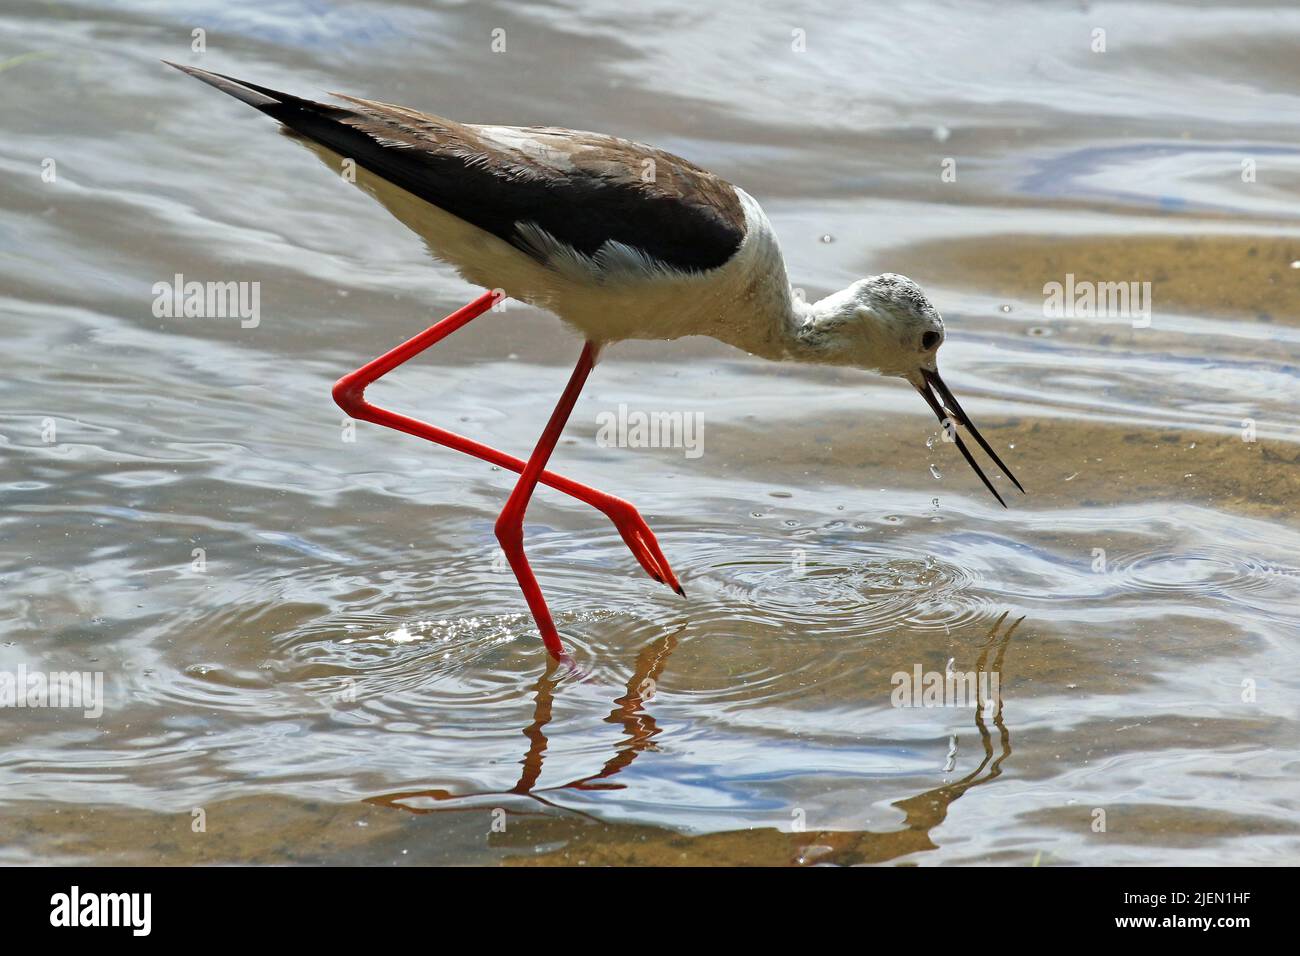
{"x": 348, "y": 674}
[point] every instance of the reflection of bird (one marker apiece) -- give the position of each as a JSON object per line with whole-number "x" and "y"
{"x": 621, "y": 241}
{"x": 640, "y": 729}
{"x": 924, "y": 811}
{"x": 927, "y": 810}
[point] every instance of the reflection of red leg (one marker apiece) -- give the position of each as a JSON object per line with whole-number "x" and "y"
{"x": 349, "y": 393}
{"x": 510, "y": 525}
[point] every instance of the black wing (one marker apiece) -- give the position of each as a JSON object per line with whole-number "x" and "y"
{"x": 583, "y": 189}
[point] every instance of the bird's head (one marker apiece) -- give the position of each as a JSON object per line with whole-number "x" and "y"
{"x": 886, "y": 324}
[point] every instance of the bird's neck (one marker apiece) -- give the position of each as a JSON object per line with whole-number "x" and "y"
{"x": 765, "y": 315}
{"x": 801, "y": 331}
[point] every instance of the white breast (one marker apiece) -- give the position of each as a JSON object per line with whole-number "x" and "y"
{"x": 623, "y": 294}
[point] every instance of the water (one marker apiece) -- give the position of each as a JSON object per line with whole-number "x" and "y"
{"x": 311, "y": 649}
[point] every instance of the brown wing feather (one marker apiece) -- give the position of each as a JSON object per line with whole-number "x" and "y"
{"x": 582, "y": 188}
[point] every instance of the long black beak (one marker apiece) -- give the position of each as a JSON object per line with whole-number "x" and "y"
{"x": 937, "y": 395}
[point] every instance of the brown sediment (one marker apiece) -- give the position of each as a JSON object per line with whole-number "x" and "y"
{"x": 256, "y": 830}
{"x": 1239, "y": 276}
{"x": 1063, "y": 462}
{"x": 1160, "y": 825}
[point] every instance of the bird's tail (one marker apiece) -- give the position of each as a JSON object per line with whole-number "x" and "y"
{"x": 271, "y": 102}
{"x": 300, "y": 115}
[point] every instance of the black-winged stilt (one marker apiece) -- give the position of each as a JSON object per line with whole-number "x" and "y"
{"x": 621, "y": 241}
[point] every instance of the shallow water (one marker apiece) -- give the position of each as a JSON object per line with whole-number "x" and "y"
{"x": 351, "y": 676}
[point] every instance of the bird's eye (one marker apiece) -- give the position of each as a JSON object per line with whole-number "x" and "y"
{"x": 930, "y": 340}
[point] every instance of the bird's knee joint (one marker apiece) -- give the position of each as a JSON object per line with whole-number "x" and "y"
{"x": 349, "y": 396}
{"x": 510, "y": 531}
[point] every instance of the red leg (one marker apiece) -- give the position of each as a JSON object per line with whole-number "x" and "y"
{"x": 349, "y": 393}
{"x": 510, "y": 525}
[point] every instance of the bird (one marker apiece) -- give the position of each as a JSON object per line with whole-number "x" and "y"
{"x": 618, "y": 239}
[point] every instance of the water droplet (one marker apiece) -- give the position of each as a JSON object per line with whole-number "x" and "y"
{"x": 810, "y": 853}
{"x": 827, "y": 238}
{"x": 934, "y": 470}
{"x": 1004, "y": 308}
{"x": 941, "y": 133}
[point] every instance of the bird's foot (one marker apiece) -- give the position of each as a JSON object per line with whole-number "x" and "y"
{"x": 640, "y": 540}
